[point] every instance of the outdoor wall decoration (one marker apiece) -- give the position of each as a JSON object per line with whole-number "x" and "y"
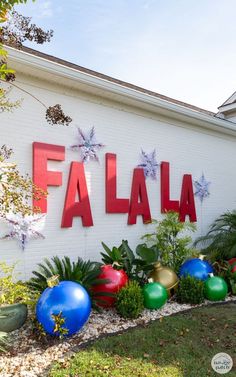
{"x": 155, "y": 295}
{"x": 202, "y": 188}
{"x": 166, "y": 276}
{"x": 216, "y": 288}
{"x": 87, "y": 145}
{"x": 197, "y": 268}
{"x": 66, "y": 302}
{"x": 149, "y": 164}
{"x": 136, "y": 205}
{"x": 116, "y": 280}
{"x": 24, "y": 228}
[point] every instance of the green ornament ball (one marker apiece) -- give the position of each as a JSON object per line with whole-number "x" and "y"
{"x": 155, "y": 295}
{"x": 216, "y": 288}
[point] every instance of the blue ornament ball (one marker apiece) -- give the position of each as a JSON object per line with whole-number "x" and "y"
{"x": 68, "y": 298}
{"x": 196, "y": 268}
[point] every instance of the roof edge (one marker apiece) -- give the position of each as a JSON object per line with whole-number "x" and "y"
{"x": 142, "y": 98}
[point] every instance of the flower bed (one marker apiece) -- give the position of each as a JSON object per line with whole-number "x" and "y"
{"x": 30, "y": 357}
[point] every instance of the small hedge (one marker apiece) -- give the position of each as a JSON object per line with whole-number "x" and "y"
{"x": 129, "y": 303}
{"x": 190, "y": 290}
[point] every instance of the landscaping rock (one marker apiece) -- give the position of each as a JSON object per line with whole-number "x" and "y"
{"x": 29, "y": 357}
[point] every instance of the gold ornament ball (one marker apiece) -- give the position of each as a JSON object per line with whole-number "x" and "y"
{"x": 166, "y": 276}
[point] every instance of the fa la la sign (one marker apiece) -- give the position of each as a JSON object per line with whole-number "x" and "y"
{"x": 137, "y": 205}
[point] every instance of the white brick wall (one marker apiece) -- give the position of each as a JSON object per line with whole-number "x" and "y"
{"x": 124, "y": 131}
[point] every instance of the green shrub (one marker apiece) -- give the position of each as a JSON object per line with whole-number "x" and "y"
{"x": 190, "y": 290}
{"x": 129, "y": 303}
{"x": 3, "y": 341}
{"x": 12, "y": 291}
{"x": 85, "y": 273}
{"x": 169, "y": 240}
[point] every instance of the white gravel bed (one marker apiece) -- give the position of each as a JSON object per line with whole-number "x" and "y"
{"x": 30, "y": 358}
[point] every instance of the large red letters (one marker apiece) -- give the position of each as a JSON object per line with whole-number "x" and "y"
{"x": 41, "y": 176}
{"x": 113, "y": 204}
{"x": 137, "y": 205}
{"x": 187, "y": 203}
{"x": 77, "y": 184}
{"x": 139, "y": 190}
{"x": 166, "y": 203}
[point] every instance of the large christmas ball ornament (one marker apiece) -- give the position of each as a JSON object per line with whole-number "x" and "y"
{"x": 232, "y": 261}
{"x": 165, "y": 276}
{"x": 68, "y": 300}
{"x": 155, "y": 295}
{"x": 216, "y": 288}
{"x": 196, "y": 268}
{"x": 117, "y": 279}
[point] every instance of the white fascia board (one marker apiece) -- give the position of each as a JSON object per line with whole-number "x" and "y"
{"x": 162, "y": 106}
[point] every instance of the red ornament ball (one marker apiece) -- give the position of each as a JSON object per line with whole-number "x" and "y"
{"x": 117, "y": 280}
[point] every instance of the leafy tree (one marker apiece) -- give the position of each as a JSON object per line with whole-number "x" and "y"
{"x": 220, "y": 241}
{"x": 170, "y": 240}
{"x": 15, "y": 190}
{"x": 14, "y": 31}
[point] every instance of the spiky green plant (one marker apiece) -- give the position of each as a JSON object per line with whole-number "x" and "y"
{"x": 4, "y": 343}
{"x": 220, "y": 241}
{"x": 85, "y": 273}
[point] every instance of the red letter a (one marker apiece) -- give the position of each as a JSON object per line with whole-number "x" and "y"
{"x": 77, "y": 183}
{"x": 187, "y": 203}
{"x": 139, "y": 191}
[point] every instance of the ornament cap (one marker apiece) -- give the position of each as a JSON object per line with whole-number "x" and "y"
{"x": 53, "y": 281}
{"x": 157, "y": 265}
{"x": 150, "y": 280}
{"x": 211, "y": 275}
{"x": 201, "y": 257}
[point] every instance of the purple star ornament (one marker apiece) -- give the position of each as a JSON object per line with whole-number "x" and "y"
{"x": 149, "y": 164}
{"x": 88, "y": 145}
{"x": 202, "y": 188}
{"x": 24, "y": 228}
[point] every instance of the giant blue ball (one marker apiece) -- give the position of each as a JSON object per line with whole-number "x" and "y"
{"x": 69, "y": 298}
{"x": 196, "y": 268}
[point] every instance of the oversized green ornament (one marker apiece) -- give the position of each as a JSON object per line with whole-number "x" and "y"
{"x": 216, "y": 288}
{"x": 155, "y": 295}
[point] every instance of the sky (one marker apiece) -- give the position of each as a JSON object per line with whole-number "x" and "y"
{"x": 184, "y": 49}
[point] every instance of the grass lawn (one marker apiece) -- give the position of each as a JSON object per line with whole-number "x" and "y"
{"x": 177, "y": 346}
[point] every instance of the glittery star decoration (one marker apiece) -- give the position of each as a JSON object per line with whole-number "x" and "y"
{"x": 88, "y": 145}
{"x": 24, "y": 228}
{"x": 202, "y": 188}
{"x": 149, "y": 164}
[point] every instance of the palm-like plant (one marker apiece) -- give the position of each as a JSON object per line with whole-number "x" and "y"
{"x": 3, "y": 341}
{"x": 220, "y": 241}
{"x": 85, "y": 273}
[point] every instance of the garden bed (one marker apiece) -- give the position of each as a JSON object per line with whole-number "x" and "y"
{"x": 31, "y": 357}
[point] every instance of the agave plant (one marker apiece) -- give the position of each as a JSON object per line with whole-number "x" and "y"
{"x": 85, "y": 273}
{"x": 220, "y": 241}
{"x": 4, "y": 343}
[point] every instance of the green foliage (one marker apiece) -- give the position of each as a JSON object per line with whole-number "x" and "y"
{"x": 16, "y": 191}
{"x": 3, "y": 341}
{"x": 176, "y": 346}
{"x": 136, "y": 265}
{"x": 220, "y": 241}
{"x": 129, "y": 303}
{"x": 83, "y": 272}
{"x": 122, "y": 257}
{"x": 59, "y": 321}
{"x": 168, "y": 240}
{"x": 7, "y": 5}
{"x": 190, "y": 290}
{"x": 12, "y": 292}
